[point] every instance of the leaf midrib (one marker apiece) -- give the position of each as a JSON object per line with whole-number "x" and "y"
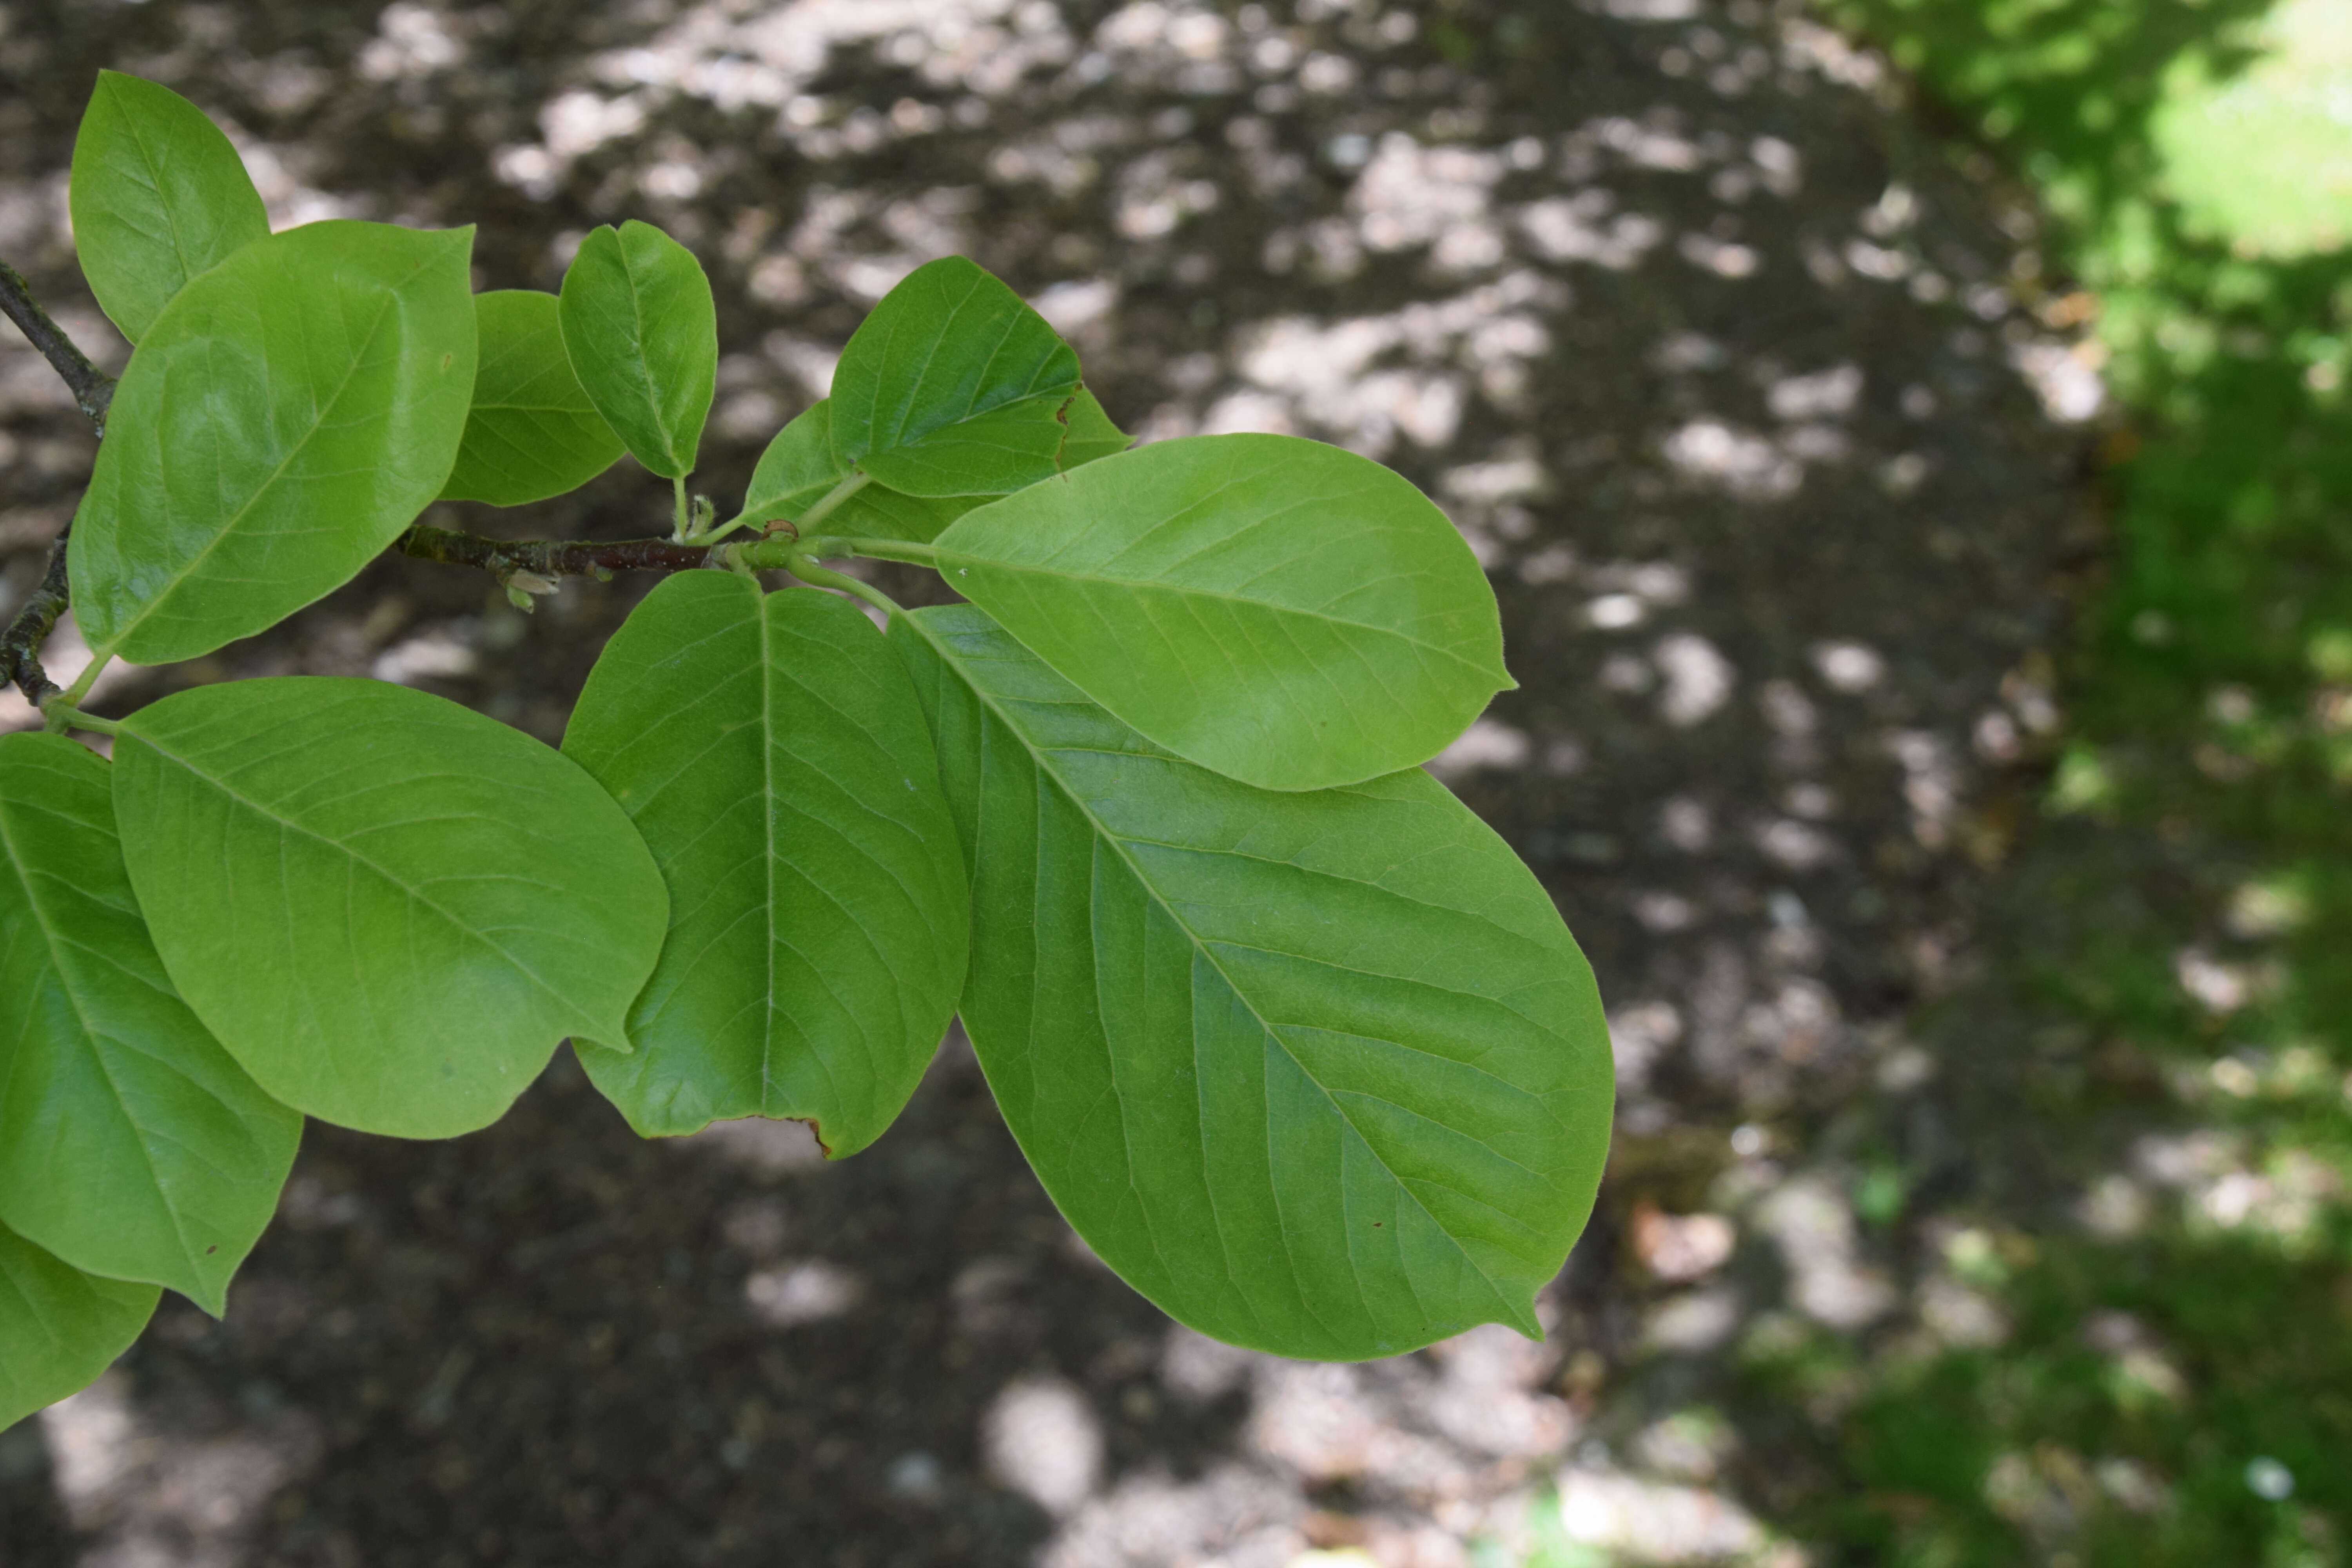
{"x": 1103, "y": 833}
{"x": 951, "y": 558}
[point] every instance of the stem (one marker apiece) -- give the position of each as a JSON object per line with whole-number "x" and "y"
{"x": 87, "y": 678}
{"x": 877, "y": 549}
{"x": 808, "y": 571}
{"x": 92, "y": 388}
{"x": 63, "y": 715}
{"x": 830, "y": 500}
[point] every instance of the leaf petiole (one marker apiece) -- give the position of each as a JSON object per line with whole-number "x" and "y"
{"x": 850, "y": 485}
{"x": 682, "y": 531}
{"x": 801, "y": 566}
{"x": 86, "y": 679}
{"x": 62, "y": 716}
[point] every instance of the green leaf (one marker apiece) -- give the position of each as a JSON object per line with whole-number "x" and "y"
{"x": 387, "y": 906}
{"x": 953, "y": 387}
{"x": 773, "y": 753}
{"x": 643, "y": 335}
{"x": 289, "y": 413}
{"x": 131, "y": 1144}
{"x": 59, "y": 1328}
{"x": 1321, "y": 1074}
{"x": 531, "y": 433}
{"x": 157, "y": 196}
{"x": 1092, "y": 435}
{"x": 799, "y": 469}
{"x": 1287, "y": 613}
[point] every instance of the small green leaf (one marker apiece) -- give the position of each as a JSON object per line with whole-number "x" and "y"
{"x": 771, "y": 751}
{"x": 531, "y": 433}
{"x": 1287, "y": 613}
{"x": 59, "y": 1328}
{"x": 289, "y": 413}
{"x": 157, "y": 196}
{"x": 799, "y": 469}
{"x": 953, "y": 387}
{"x": 643, "y": 335}
{"x": 387, "y": 906}
{"x": 1321, "y": 1074}
{"x": 131, "y": 1144}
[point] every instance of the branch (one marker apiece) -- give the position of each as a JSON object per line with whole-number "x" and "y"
{"x": 20, "y": 645}
{"x": 553, "y": 558}
{"x": 93, "y": 389}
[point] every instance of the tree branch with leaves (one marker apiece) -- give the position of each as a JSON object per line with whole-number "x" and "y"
{"x": 1296, "y": 1044}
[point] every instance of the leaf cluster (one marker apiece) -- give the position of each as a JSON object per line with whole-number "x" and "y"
{"x": 1299, "y": 1046}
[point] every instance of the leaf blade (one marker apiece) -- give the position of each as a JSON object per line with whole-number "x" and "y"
{"x": 531, "y": 431}
{"x": 1285, "y": 612}
{"x": 387, "y": 908}
{"x": 1321, "y": 1074}
{"x": 131, "y": 1145}
{"x": 952, "y": 386}
{"x": 158, "y": 196}
{"x": 322, "y": 374}
{"x": 60, "y": 1327}
{"x": 771, "y": 751}
{"x": 642, "y": 332}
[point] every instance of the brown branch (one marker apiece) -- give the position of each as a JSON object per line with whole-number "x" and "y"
{"x": 552, "y": 558}
{"x": 20, "y": 646}
{"x": 93, "y": 391}
{"x": 92, "y": 388}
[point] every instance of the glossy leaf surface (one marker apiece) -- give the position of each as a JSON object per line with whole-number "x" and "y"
{"x": 643, "y": 335}
{"x": 771, "y": 751}
{"x": 158, "y": 195}
{"x": 291, "y": 411}
{"x": 953, "y": 387}
{"x": 799, "y": 469}
{"x": 1321, "y": 1074}
{"x": 131, "y": 1144}
{"x": 387, "y": 906}
{"x": 59, "y": 1328}
{"x": 531, "y": 432}
{"x": 1287, "y": 613}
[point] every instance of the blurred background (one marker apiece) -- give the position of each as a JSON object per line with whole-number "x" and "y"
{"x": 1909, "y": 442}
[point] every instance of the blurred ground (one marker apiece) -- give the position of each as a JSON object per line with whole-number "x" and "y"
{"x": 1761, "y": 406}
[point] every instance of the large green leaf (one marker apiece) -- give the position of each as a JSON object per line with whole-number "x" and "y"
{"x": 1321, "y": 1073}
{"x": 773, "y": 753}
{"x": 157, "y": 196}
{"x": 131, "y": 1144}
{"x": 59, "y": 1328}
{"x": 289, "y": 413}
{"x": 387, "y": 906}
{"x": 1287, "y": 613}
{"x": 531, "y": 433}
{"x": 953, "y": 387}
{"x": 799, "y": 469}
{"x": 643, "y": 335}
